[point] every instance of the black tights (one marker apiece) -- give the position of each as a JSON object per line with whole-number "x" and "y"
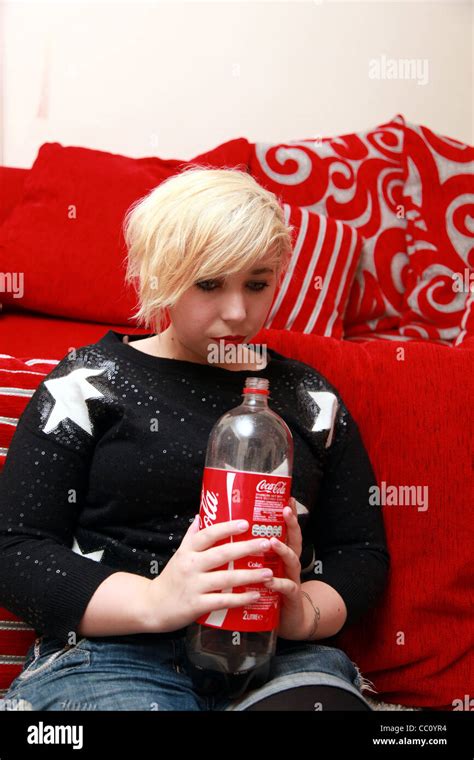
{"x": 311, "y": 698}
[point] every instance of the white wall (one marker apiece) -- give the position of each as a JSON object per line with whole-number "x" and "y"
{"x": 177, "y": 78}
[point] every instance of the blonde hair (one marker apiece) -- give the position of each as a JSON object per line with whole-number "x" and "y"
{"x": 200, "y": 224}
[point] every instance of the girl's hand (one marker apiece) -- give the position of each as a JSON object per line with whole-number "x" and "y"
{"x": 295, "y": 617}
{"x": 190, "y": 585}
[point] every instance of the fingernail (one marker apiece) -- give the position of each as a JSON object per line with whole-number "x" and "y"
{"x": 242, "y": 525}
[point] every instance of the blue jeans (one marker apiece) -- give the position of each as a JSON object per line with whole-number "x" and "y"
{"x": 147, "y": 672}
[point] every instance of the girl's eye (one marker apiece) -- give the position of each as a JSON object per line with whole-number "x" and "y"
{"x": 207, "y": 285}
{"x": 260, "y": 286}
{"x": 203, "y": 285}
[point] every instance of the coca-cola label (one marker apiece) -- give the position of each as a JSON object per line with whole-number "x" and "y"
{"x": 260, "y": 499}
{"x": 269, "y": 487}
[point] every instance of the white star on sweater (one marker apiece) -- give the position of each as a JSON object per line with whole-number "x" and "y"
{"x": 70, "y": 394}
{"x": 96, "y": 556}
{"x": 327, "y": 403}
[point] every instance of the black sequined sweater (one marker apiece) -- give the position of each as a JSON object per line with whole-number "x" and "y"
{"x": 104, "y": 474}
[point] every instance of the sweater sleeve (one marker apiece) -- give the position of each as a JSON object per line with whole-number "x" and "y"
{"x": 347, "y": 531}
{"x": 43, "y": 485}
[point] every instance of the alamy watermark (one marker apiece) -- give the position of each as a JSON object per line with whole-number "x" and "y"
{"x": 464, "y": 703}
{"x": 405, "y": 496}
{"x": 238, "y": 353}
{"x": 43, "y": 733}
{"x": 399, "y": 68}
{"x": 12, "y": 282}
{"x": 463, "y": 282}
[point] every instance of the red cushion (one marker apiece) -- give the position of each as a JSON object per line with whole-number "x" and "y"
{"x": 394, "y": 335}
{"x": 64, "y": 239}
{"x": 357, "y": 178}
{"x": 411, "y": 403}
{"x": 11, "y": 189}
{"x": 439, "y": 199}
{"x": 25, "y": 334}
{"x": 313, "y": 294}
{"x": 231, "y": 154}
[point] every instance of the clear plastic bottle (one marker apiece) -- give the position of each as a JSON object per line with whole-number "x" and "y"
{"x": 247, "y": 475}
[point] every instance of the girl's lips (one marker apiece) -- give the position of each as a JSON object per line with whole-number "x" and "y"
{"x": 231, "y": 338}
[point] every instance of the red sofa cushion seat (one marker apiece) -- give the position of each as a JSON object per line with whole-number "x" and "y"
{"x": 23, "y": 333}
{"x": 410, "y": 401}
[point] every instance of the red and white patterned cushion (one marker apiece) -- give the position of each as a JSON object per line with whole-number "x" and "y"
{"x": 19, "y": 379}
{"x": 467, "y": 323}
{"x": 357, "y": 178}
{"x": 439, "y": 198}
{"x": 313, "y": 294}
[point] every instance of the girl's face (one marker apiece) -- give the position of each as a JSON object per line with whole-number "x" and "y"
{"x": 212, "y": 309}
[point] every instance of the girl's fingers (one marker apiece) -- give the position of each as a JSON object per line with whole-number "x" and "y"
{"x": 294, "y": 540}
{"x": 294, "y": 510}
{"x": 286, "y": 552}
{"x": 289, "y": 557}
{"x": 282, "y": 585}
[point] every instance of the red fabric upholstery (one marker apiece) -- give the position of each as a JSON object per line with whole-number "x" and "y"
{"x": 12, "y": 182}
{"x": 25, "y": 334}
{"x": 412, "y": 402}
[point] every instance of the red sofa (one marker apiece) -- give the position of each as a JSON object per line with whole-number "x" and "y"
{"x": 406, "y": 383}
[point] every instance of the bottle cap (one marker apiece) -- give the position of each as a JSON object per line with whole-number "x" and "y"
{"x": 257, "y": 385}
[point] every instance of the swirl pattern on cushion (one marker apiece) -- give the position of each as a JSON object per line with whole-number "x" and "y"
{"x": 467, "y": 322}
{"x": 439, "y": 197}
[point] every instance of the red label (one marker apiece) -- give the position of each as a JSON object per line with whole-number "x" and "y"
{"x": 260, "y": 499}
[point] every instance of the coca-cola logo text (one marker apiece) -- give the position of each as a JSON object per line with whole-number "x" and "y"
{"x": 278, "y": 487}
{"x": 209, "y": 502}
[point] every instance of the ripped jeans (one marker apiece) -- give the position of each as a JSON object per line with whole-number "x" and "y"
{"x": 148, "y": 672}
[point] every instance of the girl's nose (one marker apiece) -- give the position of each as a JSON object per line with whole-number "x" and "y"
{"x": 233, "y": 310}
